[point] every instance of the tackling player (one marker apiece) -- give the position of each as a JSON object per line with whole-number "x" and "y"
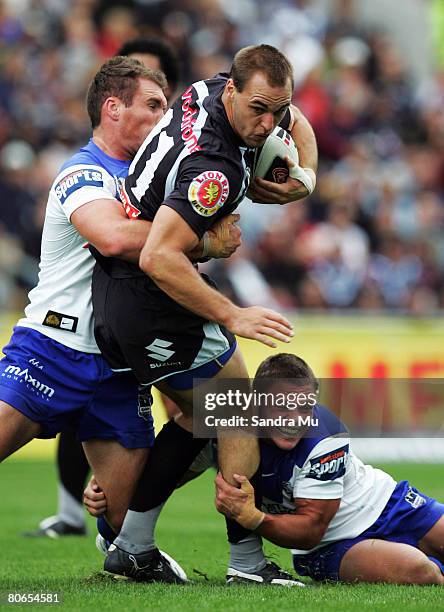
{"x": 172, "y": 325}
{"x": 344, "y": 521}
{"x": 72, "y": 465}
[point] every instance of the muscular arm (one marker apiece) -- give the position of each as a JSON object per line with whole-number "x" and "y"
{"x": 304, "y": 529}
{"x": 104, "y": 224}
{"x": 163, "y": 258}
{"x": 304, "y": 137}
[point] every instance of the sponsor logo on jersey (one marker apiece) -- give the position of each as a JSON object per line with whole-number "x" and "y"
{"x": 17, "y": 373}
{"x": 131, "y": 211}
{"x": 329, "y": 466}
{"x": 414, "y": 499}
{"x": 208, "y": 192}
{"x": 60, "y": 321}
{"x": 159, "y": 350}
{"x": 85, "y": 177}
{"x": 188, "y": 121}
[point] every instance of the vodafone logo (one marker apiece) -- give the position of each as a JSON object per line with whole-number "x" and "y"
{"x": 208, "y": 192}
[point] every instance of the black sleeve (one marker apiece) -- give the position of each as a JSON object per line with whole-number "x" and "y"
{"x": 207, "y": 186}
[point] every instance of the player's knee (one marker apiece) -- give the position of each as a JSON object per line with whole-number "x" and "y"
{"x": 422, "y": 571}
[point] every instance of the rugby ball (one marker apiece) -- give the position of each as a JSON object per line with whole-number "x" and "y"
{"x": 270, "y": 161}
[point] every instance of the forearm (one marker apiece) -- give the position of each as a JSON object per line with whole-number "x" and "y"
{"x": 173, "y": 272}
{"x": 305, "y": 139}
{"x": 291, "y": 531}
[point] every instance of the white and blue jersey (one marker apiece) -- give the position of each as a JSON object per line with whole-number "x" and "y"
{"x": 322, "y": 466}
{"x": 53, "y": 371}
{"x": 60, "y": 305}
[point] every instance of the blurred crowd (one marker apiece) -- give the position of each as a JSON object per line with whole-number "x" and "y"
{"x": 370, "y": 237}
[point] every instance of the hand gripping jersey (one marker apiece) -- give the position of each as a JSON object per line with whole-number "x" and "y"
{"x": 322, "y": 466}
{"x": 60, "y": 305}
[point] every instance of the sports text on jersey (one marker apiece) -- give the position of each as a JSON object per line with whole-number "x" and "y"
{"x": 84, "y": 177}
{"x": 329, "y": 466}
{"x": 188, "y": 121}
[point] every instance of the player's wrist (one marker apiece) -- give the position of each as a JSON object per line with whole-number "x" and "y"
{"x": 252, "y": 519}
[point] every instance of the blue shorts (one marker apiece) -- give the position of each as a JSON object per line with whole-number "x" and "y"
{"x": 406, "y": 518}
{"x": 60, "y": 388}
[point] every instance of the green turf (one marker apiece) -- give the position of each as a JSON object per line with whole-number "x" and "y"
{"x": 193, "y": 533}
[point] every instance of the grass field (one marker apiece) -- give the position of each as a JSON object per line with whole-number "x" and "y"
{"x": 192, "y": 532}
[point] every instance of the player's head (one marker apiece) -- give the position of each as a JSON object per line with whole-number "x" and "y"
{"x": 292, "y": 388}
{"x": 127, "y": 99}
{"x": 155, "y": 54}
{"x": 258, "y": 92}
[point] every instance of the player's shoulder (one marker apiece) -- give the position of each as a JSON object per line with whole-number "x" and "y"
{"x": 326, "y": 432}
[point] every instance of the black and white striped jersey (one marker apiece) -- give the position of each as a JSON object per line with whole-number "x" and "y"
{"x": 192, "y": 161}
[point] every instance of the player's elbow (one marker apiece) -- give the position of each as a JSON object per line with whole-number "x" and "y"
{"x": 151, "y": 262}
{"x": 111, "y": 246}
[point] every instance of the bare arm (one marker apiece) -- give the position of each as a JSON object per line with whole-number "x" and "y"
{"x": 104, "y": 224}
{"x": 303, "y": 530}
{"x": 163, "y": 259}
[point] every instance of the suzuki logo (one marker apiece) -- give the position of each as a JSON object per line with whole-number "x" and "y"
{"x": 159, "y": 350}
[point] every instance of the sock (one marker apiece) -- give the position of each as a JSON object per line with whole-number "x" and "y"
{"x": 137, "y": 533}
{"x": 235, "y": 532}
{"x": 173, "y": 452}
{"x": 105, "y": 530}
{"x": 70, "y": 510}
{"x": 247, "y": 555}
{"x": 73, "y": 471}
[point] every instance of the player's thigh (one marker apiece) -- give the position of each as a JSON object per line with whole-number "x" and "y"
{"x": 433, "y": 542}
{"x": 16, "y": 430}
{"x": 235, "y": 368}
{"x": 117, "y": 470}
{"x": 382, "y": 561}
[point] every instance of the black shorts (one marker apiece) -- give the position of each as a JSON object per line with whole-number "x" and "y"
{"x": 139, "y": 327}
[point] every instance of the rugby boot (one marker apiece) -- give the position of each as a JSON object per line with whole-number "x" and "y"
{"x": 150, "y": 566}
{"x": 271, "y": 574}
{"x": 53, "y": 527}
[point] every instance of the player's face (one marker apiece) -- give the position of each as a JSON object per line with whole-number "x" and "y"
{"x": 257, "y": 110}
{"x": 137, "y": 121}
{"x": 294, "y": 411}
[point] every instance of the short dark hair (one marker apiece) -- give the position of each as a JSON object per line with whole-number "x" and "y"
{"x": 169, "y": 63}
{"x": 118, "y": 77}
{"x": 284, "y": 366}
{"x": 261, "y": 58}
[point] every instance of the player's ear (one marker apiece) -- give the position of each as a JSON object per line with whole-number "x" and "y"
{"x": 230, "y": 88}
{"x": 111, "y": 107}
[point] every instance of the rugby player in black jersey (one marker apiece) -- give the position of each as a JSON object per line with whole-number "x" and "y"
{"x": 164, "y": 320}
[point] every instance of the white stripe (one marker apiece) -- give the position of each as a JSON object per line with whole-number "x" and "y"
{"x": 202, "y": 91}
{"x": 121, "y": 370}
{"x": 146, "y": 176}
{"x": 163, "y": 123}
{"x": 213, "y": 345}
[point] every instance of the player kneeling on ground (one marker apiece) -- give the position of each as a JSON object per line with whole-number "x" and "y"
{"x": 344, "y": 521}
